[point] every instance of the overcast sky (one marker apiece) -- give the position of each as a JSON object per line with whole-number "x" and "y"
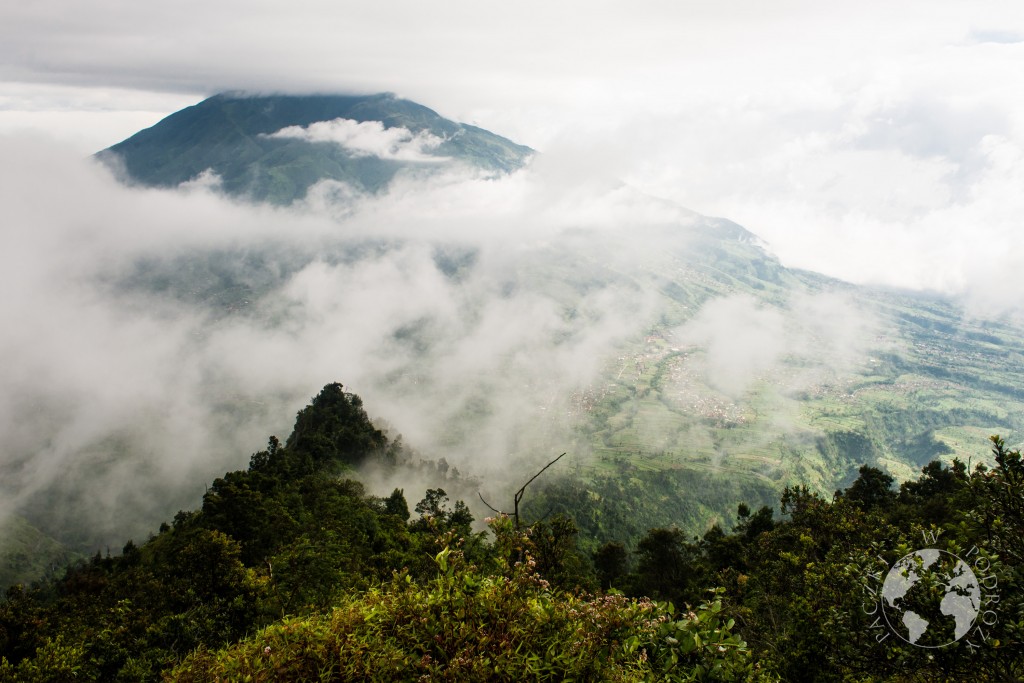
{"x": 875, "y": 141}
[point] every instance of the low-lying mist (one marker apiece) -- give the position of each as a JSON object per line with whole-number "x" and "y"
{"x": 155, "y": 339}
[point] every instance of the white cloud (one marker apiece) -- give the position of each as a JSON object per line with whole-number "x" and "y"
{"x": 812, "y": 339}
{"x": 88, "y": 119}
{"x": 742, "y": 340}
{"x": 369, "y": 138}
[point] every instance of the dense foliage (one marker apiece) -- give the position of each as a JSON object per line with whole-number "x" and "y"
{"x": 468, "y": 625}
{"x": 291, "y": 571}
{"x": 807, "y": 591}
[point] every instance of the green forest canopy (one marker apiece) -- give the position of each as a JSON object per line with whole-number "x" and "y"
{"x": 290, "y": 571}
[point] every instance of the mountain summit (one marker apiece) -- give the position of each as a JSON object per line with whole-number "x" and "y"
{"x": 274, "y": 148}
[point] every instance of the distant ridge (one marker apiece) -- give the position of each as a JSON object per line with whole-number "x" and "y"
{"x": 231, "y": 135}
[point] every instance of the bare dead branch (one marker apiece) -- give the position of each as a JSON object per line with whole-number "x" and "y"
{"x": 520, "y": 492}
{"x": 488, "y": 504}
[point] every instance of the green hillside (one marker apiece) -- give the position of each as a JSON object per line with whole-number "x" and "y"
{"x": 933, "y": 384}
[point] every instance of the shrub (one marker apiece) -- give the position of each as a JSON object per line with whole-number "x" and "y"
{"x": 466, "y": 626}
